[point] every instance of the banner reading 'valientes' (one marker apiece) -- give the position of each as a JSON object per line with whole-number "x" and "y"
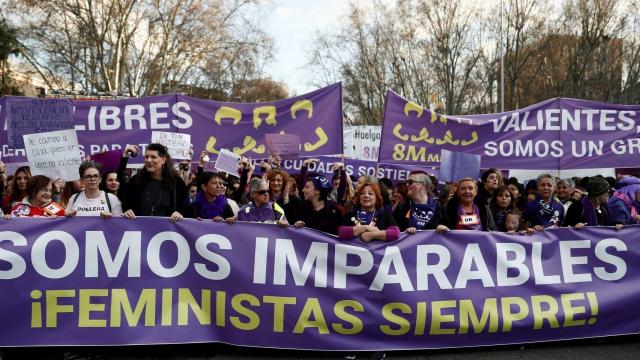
{"x": 213, "y": 125}
{"x": 86, "y": 281}
{"x": 555, "y": 134}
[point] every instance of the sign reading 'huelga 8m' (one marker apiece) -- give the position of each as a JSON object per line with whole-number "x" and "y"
{"x": 86, "y": 281}
{"x": 105, "y": 125}
{"x": 555, "y": 134}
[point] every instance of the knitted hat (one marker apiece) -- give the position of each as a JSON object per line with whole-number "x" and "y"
{"x": 597, "y": 186}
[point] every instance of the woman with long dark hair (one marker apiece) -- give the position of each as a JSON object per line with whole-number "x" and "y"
{"x": 156, "y": 190}
{"x": 19, "y": 188}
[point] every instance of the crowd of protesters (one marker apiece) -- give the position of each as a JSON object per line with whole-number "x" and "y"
{"x": 366, "y": 208}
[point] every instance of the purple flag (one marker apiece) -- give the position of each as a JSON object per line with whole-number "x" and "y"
{"x": 90, "y": 281}
{"x": 554, "y": 134}
{"x": 213, "y": 125}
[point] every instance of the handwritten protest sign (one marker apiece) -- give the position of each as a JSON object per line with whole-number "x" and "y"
{"x": 178, "y": 145}
{"x": 54, "y": 154}
{"x": 29, "y": 116}
{"x": 457, "y": 165}
{"x": 228, "y": 162}
{"x": 283, "y": 145}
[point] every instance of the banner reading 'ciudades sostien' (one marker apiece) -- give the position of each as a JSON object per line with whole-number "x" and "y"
{"x": 213, "y": 125}
{"x": 555, "y": 134}
{"x": 86, "y": 281}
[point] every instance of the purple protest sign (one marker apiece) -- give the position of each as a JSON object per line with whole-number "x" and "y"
{"x": 26, "y": 116}
{"x": 283, "y": 145}
{"x": 90, "y": 281}
{"x": 555, "y": 134}
{"x": 213, "y": 125}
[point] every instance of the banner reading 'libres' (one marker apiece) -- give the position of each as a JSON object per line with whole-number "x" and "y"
{"x": 213, "y": 125}
{"x": 89, "y": 281}
{"x": 555, "y": 134}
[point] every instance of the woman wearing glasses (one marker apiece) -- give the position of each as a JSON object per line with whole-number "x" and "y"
{"x": 38, "y": 202}
{"x": 420, "y": 211}
{"x": 93, "y": 201}
{"x": 260, "y": 209}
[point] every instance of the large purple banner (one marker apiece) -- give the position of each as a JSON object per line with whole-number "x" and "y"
{"x": 213, "y": 125}
{"x": 86, "y": 281}
{"x": 555, "y": 134}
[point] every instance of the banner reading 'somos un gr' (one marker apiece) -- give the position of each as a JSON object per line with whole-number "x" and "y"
{"x": 555, "y": 134}
{"x": 213, "y": 125}
{"x": 86, "y": 281}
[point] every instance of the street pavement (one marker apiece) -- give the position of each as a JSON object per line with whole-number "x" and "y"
{"x": 621, "y": 347}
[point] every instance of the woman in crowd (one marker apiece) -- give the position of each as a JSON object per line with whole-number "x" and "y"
{"x": 369, "y": 220}
{"x": 464, "y": 213}
{"x": 260, "y": 209}
{"x": 316, "y": 211}
{"x": 110, "y": 182}
{"x": 156, "y": 190}
{"x": 8, "y": 185}
{"x": 19, "y": 189}
{"x": 279, "y": 184}
{"x": 501, "y": 205}
{"x": 491, "y": 180}
{"x": 70, "y": 188}
{"x": 210, "y": 202}
{"x": 629, "y": 192}
{"x": 92, "y": 201}
{"x": 593, "y": 209}
{"x": 565, "y": 193}
{"x": 544, "y": 211}
{"x": 517, "y": 193}
{"x": 420, "y": 211}
{"x": 38, "y": 202}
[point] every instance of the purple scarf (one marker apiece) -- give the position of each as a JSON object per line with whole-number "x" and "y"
{"x": 589, "y": 212}
{"x": 209, "y": 210}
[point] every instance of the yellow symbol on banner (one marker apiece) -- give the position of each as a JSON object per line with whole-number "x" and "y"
{"x": 211, "y": 145}
{"x": 302, "y": 105}
{"x": 411, "y": 106}
{"x": 270, "y": 111}
{"x": 226, "y": 112}
{"x": 322, "y": 139}
{"x": 434, "y": 117}
{"x": 423, "y": 136}
{"x": 448, "y": 138}
{"x": 474, "y": 138}
{"x": 249, "y": 144}
{"x": 396, "y": 132}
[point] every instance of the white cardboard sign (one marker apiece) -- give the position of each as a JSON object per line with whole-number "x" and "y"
{"x": 228, "y": 162}
{"x": 177, "y": 144}
{"x": 55, "y": 154}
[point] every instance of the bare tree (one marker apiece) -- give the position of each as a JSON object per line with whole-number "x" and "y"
{"x": 141, "y": 47}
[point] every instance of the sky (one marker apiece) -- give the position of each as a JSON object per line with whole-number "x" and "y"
{"x": 292, "y": 24}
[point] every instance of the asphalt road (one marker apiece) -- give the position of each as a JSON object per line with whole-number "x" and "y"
{"x": 622, "y": 347}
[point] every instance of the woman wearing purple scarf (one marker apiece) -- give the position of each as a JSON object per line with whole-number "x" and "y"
{"x": 210, "y": 201}
{"x": 593, "y": 210}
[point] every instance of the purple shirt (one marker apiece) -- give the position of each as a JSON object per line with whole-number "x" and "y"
{"x": 269, "y": 213}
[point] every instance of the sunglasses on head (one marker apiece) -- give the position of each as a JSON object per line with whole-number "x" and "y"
{"x": 261, "y": 192}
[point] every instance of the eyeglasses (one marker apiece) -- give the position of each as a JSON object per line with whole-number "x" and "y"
{"x": 91, "y": 177}
{"x": 411, "y": 182}
{"x": 261, "y": 192}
